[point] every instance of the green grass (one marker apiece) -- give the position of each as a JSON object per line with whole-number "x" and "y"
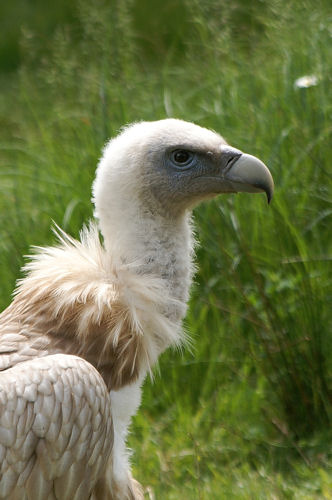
{"x": 247, "y": 414}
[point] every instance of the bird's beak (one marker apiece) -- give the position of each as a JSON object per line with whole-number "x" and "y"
{"x": 243, "y": 172}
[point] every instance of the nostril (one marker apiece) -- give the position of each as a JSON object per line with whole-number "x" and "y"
{"x": 229, "y": 158}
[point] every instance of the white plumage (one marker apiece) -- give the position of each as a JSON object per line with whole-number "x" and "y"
{"x": 90, "y": 319}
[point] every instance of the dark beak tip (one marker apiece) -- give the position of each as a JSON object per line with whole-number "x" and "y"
{"x": 270, "y": 192}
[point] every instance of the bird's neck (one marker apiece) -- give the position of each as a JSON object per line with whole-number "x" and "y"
{"x": 156, "y": 244}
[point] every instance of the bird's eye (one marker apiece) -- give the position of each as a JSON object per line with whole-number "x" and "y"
{"x": 181, "y": 157}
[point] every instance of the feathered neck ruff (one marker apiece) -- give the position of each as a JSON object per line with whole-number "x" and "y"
{"x": 118, "y": 319}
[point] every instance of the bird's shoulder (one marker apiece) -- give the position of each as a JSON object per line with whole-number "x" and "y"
{"x": 21, "y": 340}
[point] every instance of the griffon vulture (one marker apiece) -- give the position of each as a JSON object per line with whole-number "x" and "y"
{"x": 90, "y": 318}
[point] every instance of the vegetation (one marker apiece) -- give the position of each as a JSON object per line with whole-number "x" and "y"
{"x": 247, "y": 413}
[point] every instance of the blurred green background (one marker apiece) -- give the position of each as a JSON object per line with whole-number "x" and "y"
{"x": 246, "y": 414}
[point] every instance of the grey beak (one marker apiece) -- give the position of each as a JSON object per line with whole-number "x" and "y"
{"x": 246, "y": 173}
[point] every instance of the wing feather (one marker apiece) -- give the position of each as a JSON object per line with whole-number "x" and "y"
{"x": 53, "y": 443}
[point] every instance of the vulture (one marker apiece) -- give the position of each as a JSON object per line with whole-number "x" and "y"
{"x": 90, "y": 317}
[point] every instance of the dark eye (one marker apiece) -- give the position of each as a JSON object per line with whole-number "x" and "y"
{"x": 181, "y": 157}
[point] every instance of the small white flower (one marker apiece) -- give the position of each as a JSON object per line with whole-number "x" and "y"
{"x": 306, "y": 81}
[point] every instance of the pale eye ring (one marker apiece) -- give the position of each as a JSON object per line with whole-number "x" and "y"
{"x": 181, "y": 157}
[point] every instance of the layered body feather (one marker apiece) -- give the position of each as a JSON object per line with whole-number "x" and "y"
{"x": 55, "y": 429}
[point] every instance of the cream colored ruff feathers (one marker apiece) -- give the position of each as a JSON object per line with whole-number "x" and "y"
{"x": 90, "y": 319}
{"x": 82, "y": 302}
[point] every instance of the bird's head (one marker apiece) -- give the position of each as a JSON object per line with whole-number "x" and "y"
{"x": 171, "y": 165}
